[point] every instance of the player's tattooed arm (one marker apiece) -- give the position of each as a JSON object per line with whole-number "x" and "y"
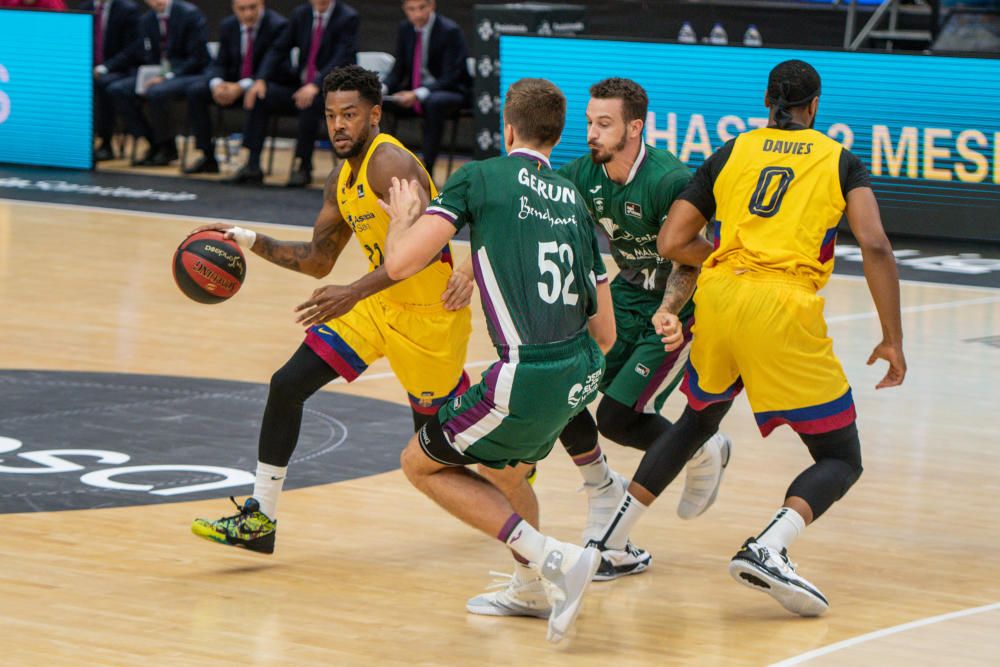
{"x": 680, "y": 287}
{"x": 317, "y": 256}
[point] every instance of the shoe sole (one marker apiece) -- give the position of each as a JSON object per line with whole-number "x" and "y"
{"x": 715, "y": 494}
{"x": 579, "y": 578}
{"x": 495, "y": 610}
{"x": 263, "y": 545}
{"x": 624, "y": 570}
{"x": 792, "y": 597}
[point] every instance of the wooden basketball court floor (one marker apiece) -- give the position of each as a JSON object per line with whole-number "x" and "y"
{"x": 369, "y": 572}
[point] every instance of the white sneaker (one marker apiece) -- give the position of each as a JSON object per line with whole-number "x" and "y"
{"x": 761, "y": 568}
{"x": 602, "y": 502}
{"x": 617, "y": 563}
{"x": 567, "y": 570}
{"x": 704, "y": 476}
{"x": 517, "y": 597}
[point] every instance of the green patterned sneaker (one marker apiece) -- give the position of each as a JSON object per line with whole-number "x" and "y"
{"x": 251, "y": 528}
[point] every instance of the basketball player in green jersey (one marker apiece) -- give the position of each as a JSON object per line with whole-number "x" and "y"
{"x": 629, "y": 188}
{"x": 543, "y": 287}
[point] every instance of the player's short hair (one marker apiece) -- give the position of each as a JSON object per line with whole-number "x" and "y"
{"x": 793, "y": 83}
{"x": 536, "y": 108}
{"x": 353, "y": 77}
{"x": 635, "y": 102}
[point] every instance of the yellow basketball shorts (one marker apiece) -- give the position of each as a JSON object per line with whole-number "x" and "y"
{"x": 766, "y": 333}
{"x": 425, "y": 345}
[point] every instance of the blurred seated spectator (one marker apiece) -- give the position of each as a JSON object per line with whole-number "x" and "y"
{"x": 244, "y": 39}
{"x": 326, "y": 34}
{"x": 172, "y": 35}
{"x": 430, "y": 78}
{"x": 116, "y": 27}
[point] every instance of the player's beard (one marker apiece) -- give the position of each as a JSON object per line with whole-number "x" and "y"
{"x": 354, "y": 150}
{"x": 603, "y": 158}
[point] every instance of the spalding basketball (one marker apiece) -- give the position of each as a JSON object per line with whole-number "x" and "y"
{"x": 209, "y": 268}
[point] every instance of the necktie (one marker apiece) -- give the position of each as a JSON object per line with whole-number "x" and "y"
{"x": 246, "y": 70}
{"x": 98, "y": 32}
{"x": 314, "y": 48}
{"x": 418, "y": 65}
{"x": 163, "y": 37}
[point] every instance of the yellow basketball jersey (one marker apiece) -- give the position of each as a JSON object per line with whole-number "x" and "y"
{"x": 360, "y": 208}
{"x": 779, "y": 202}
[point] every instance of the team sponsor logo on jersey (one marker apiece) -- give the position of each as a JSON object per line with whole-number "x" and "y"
{"x": 642, "y": 370}
{"x": 594, "y": 190}
{"x": 609, "y": 226}
{"x": 633, "y": 209}
{"x": 579, "y": 393}
{"x": 361, "y": 190}
{"x": 527, "y": 210}
{"x": 358, "y": 223}
{"x": 457, "y": 403}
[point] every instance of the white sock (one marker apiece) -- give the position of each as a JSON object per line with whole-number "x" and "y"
{"x": 783, "y": 529}
{"x": 527, "y": 542}
{"x": 267, "y": 487}
{"x": 596, "y": 473}
{"x": 629, "y": 512}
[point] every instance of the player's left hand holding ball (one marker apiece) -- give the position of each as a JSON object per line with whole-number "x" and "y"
{"x": 668, "y": 326}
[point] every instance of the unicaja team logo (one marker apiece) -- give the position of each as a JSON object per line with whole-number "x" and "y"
{"x": 484, "y": 67}
{"x": 485, "y": 30}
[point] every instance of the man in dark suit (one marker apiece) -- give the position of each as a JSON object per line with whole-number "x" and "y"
{"x": 172, "y": 34}
{"x": 116, "y": 26}
{"x": 437, "y": 84}
{"x": 244, "y": 39}
{"x": 326, "y": 34}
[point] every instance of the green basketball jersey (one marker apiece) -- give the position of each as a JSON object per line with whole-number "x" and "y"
{"x": 534, "y": 247}
{"x": 632, "y": 213}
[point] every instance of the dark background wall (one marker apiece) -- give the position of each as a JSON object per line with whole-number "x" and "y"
{"x": 780, "y": 23}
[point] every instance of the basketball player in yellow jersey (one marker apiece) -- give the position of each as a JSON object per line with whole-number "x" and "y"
{"x": 421, "y": 324}
{"x": 776, "y": 196}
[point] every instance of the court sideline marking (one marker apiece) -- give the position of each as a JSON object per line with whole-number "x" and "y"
{"x": 885, "y": 632}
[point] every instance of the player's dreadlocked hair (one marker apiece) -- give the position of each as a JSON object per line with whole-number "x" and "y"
{"x": 353, "y": 77}
{"x": 635, "y": 102}
{"x": 791, "y": 84}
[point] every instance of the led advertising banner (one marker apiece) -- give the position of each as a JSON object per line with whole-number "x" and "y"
{"x": 46, "y": 88}
{"x": 927, "y": 127}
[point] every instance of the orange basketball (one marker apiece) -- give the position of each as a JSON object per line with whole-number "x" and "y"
{"x": 209, "y": 268}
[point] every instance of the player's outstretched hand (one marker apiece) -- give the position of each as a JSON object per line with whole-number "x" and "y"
{"x": 668, "y": 326}
{"x": 327, "y": 302}
{"x": 406, "y": 201}
{"x": 458, "y": 293}
{"x": 893, "y": 353}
